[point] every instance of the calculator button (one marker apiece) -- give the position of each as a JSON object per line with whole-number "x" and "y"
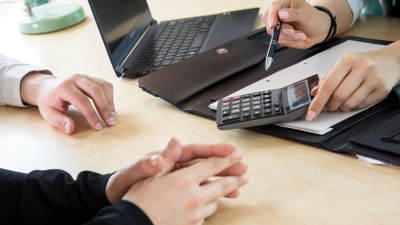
{"x": 267, "y": 96}
{"x": 256, "y": 98}
{"x": 267, "y": 92}
{"x": 277, "y": 104}
{"x": 226, "y": 104}
{"x": 277, "y": 109}
{"x": 267, "y": 105}
{"x": 256, "y": 102}
{"x": 257, "y": 112}
{"x": 231, "y": 117}
{"x": 267, "y": 101}
{"x": 246, "y": 100}
{"x": 235, "y": 111}
{"x": 246, "y": 104}
{"x": 246, "y": 96}
{"x": 236, "y": 102}
{"x": 246, "y": 114}
{"x": 226, "y": 100}
{"x": 246, "y": 109}
{"x": 256, "y": 94}
{"x": 235, "y": 106}
{"x": 267, "y": 111}
{"x": 236, "y": 98}
{"x": 226, "y": 112}
{"x": 256, "y": 107}
{"x": 226, "y": 108}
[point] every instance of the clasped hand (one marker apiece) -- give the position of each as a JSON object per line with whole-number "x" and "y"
{"x": 173, "y": 186}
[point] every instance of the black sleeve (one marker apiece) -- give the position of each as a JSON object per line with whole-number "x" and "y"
{"x": 54, "y": 197}
{"x": 124, "y": 213}
{"x": 50, "y": 196}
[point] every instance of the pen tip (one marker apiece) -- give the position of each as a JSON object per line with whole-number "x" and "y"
{"x": 268, "y": 62}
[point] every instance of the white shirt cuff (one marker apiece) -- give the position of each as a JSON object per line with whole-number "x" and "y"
{"x": 11, "y": 85}
{"x": 356, "y": 6}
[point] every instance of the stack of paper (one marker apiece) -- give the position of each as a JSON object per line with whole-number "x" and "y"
{"x": 320, "y": 64}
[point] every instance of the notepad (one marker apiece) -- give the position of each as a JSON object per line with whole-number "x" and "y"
{"x": 319, "y": 64}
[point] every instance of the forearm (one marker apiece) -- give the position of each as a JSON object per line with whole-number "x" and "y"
{"x": 11, "y": 74}
{"x": 50, "y": 197}
{"x": 392, "y": 51}
{"x": 338, "y": 8}
{"x": 124, "y": 213}
{"x": 31, "y": 85}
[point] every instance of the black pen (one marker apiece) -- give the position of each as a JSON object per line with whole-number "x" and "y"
{"x": 272, "y": 44}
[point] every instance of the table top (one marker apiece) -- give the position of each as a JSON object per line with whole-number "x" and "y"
{"x": 290, "y": 183}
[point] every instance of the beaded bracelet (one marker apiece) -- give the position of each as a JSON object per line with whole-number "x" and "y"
{"x": 332, "y": 29}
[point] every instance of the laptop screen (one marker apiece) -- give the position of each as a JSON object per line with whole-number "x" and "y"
{"x": 121, "y": 24}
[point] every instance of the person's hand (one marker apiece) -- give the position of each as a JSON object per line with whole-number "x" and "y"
{"x": 357, "y": 80}
{"x": 119, "y": 183}
{"x": 54, "y": 95}
{"x": 172, "y": 158}
{"x": 177, "y": 157}
{"x": 302, "y": 25}
{"x": 182, "y": 193}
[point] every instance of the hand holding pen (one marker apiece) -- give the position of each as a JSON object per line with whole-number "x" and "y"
{"x": 273, "y": 43}
{"x": 303, "y": 25}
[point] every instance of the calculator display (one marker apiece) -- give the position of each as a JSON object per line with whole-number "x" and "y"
{"x": 298, "y": 95}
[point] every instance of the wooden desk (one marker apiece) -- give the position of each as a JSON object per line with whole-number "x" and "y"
{"x": 290, "y": 183}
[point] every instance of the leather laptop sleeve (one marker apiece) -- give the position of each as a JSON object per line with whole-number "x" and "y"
{"x": 194, "y": 83}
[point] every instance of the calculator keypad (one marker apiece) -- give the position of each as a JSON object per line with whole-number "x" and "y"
{"x": 249, "y": 106}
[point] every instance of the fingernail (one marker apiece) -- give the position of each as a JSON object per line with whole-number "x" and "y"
{"x": 245, "y": 178}
{"x": 153, "y": 160}
{"x": 67, "y": 127}
{"x": 99, "y": 126}
{"x": 314, "y": 91}
{"x": 289, "y": 32}
{"x": 238, "y": 154}
{"x": 283, "y": 14}
{"x": 111, "y": 120}
{"x": 270, "y": 23}
{"x": 172, "y": 142}
{"x": 300, "y": 36}
{"x": 314, "y": 88}
{"x": 310, "y": 115}
{"x": 114, "y": 114}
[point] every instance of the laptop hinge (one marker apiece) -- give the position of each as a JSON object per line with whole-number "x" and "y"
{"x": 119, "y": 70}
{"x": 134, "y": 47}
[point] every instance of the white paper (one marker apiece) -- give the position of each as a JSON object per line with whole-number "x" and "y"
{"x": 372, "y": 161}
{"x": 319, "y": 64}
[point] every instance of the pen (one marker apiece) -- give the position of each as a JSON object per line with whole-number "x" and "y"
{"x": 272, "y": 44}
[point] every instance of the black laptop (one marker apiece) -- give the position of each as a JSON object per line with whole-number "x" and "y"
{"x": 138, "y": 45}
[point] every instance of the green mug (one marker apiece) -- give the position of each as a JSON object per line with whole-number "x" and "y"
{"x": 33, "y": 3}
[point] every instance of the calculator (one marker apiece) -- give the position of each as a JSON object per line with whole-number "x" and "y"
{"x": 267, "y": 106}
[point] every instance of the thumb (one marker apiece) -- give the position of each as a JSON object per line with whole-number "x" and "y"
{"x": 58, "y": 119}
{"x": 146, "y": 167}
{"x": 120, "y": 182}
{"x": 315, "y": 89}
{"x": 291, "y": 15}
{"x": 171, "y": 155}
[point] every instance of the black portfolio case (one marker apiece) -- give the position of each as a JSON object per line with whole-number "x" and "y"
{"x": 193, "y": 84}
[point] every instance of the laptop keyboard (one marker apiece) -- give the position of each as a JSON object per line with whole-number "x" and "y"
{"x": 175, "y": 41}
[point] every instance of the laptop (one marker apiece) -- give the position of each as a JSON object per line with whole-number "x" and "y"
{"x": 137, "y": 45}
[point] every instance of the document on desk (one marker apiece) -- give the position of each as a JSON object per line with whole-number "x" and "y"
{"x": 319, "y": 64}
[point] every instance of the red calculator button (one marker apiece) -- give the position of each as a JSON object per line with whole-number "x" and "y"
{"x": 236, "y": 97}
{"x": 226, "y": 99}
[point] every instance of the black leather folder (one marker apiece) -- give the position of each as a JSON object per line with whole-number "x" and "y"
{"x": 191, "y": 85}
